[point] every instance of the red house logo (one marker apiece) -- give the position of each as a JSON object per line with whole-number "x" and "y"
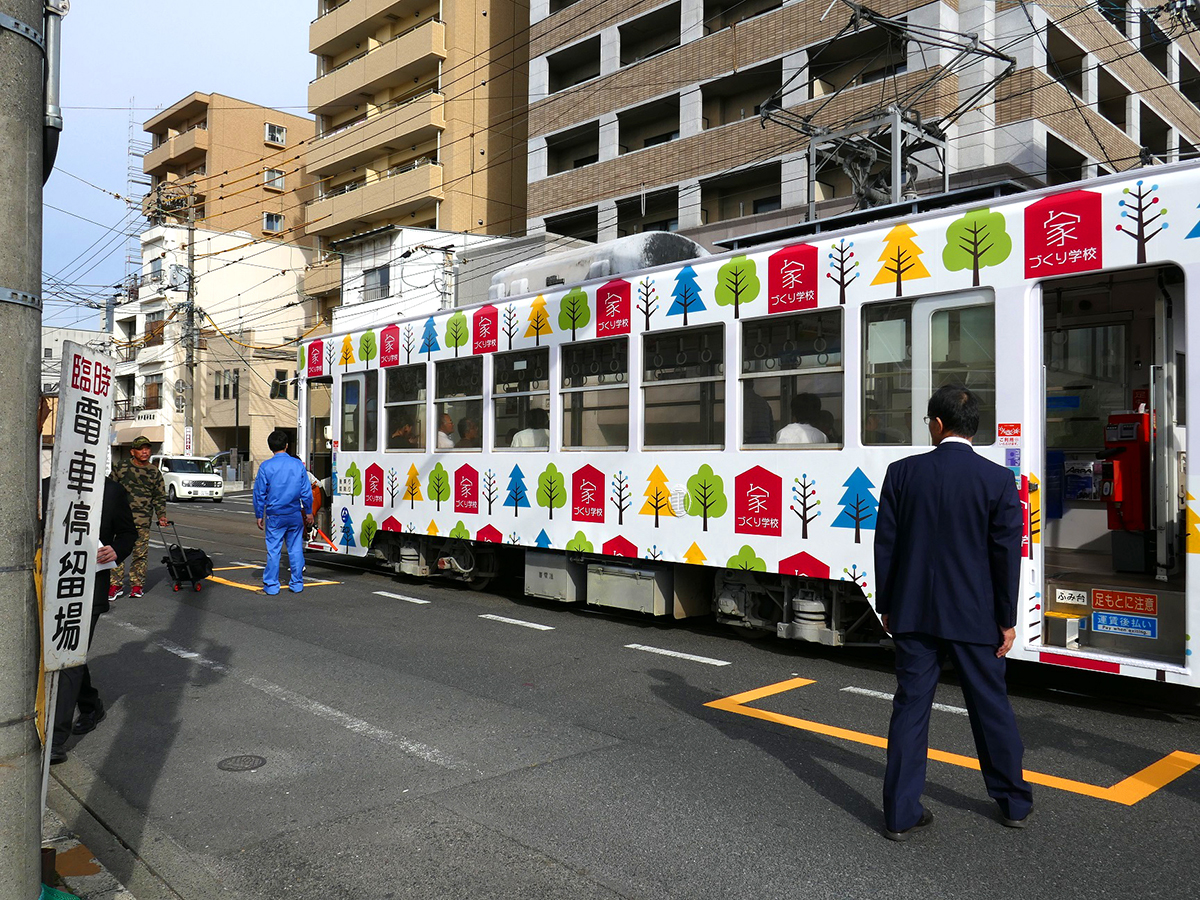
{"x": 486, "y": 331}
{"x": 758, "y": 502}
{"x": 612, "y": 308}
{"x": 620, "y": 546}
{"x": 391, "y": 523}
{"x": 316, "y": 359}
{"x": 1063, "y": 234}
{"x": 466, "y": 490}
{"x": 389, "y": 347}
{"x": 587, "y": 495}
{"x": 803, "y": 564}
{"x": 374, "y": 485}
{"x": 792, "y": 279}
{"x": 490, "y": 534}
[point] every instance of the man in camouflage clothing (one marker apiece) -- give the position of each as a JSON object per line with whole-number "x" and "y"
{"x": 147, "y": 498}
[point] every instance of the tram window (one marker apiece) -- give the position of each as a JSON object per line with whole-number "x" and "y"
{"x": 684, "y": 388}
{"x": 792, "y": 380}
{"x": 458, "y": 404}
{"x": 521, "y": 399}
{"x": 360, "y": 412}
{"x": 962, "y": 351}
{"x": 404, "y": 402}
{"x": 595, "y": 394}
{"x": 887, "y": 373}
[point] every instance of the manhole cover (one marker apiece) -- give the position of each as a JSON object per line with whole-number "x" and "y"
{"x": 247, "y": 763}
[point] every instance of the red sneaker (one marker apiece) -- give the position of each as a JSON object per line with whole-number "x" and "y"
{"x": 136, "y": 592}
{"x": 116, "y": 591}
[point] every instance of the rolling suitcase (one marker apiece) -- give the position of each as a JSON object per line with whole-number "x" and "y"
{"x": 185, "y": 563}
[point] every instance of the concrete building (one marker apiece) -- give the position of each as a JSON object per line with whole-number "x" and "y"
{"x": 250, "y": 311}
{"x": 646, "y": 116}
{"x": 420, "y": 122}
{"x": 242, "y": 160}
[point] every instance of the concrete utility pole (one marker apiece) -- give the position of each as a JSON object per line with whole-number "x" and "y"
{"x": 191, "y": 333}
{"x": 22, "y": 109}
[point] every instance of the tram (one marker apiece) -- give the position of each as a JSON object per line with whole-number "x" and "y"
{"x": 709, "y": 436}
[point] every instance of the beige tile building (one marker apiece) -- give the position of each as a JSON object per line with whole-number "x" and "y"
{"x": 420, "y": 111}
{"x": 242, "y": 160}
{"x": 645, "y": 115}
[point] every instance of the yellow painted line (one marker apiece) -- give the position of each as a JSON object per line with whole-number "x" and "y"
{"x": 236, "y": 584}
{"x": 231, "y": 568}
{"x": 1131, "y": 790}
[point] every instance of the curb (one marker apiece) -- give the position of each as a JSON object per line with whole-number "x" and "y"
{"x": 78, "y": 869}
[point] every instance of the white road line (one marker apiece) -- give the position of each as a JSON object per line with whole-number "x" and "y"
{"x": 306, "y": 704}
{"x": 882, "y": 695}
{"x": 523, "y": 624}
{"x": 401, "y": 597}
{"x": 707, "y": 660}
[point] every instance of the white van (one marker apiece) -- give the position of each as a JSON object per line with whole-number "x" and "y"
{"x": 190, "y": 477}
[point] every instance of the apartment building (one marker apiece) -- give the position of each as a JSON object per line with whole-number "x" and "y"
{"x": 241, "y": 160}
{"x": 420, "y": 110}
{"x": 645, "y": 115}
{"x": 250, "y": 306}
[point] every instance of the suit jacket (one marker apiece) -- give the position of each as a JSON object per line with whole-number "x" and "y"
{"x": 119, "y": 531}
{"x": 948, "y": 546}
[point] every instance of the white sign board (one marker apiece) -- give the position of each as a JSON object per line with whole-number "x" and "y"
{"x": 187, "y": 440}
{"x": 76, "y": 494}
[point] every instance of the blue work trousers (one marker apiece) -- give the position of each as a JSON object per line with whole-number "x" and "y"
{"x": 280, "y": 530}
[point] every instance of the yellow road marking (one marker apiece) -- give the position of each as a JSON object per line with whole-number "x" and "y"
{"x": 258, "y": 587}
{"x": 1128, "y": 791}
{"x": 231, "y": 568}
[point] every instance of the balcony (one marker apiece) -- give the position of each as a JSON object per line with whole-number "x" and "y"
{"x": 353, "y": 22}
{"x": 124, "y": 409}
{"x": 323, "y": 278}
{"x": 182, "y": 150}
{"x": 413, "y": 121}
{"x": 400, "y": 191}
{"x": 413, "y": 53}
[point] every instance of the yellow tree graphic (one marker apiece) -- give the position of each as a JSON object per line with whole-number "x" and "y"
{"x": 658, "y": 496}
{"x": 412, "y": 487}
{"x": 347, "y": 351}
{"x": 539, "y": 322}
{"x": 901, "y": 259}
{"x": 1193, "y": 527}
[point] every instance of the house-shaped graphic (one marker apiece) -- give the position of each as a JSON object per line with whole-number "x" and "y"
{"x": 619, "y": 546}
{"x": 490, "y": 534}
{"x": 803, "y": 564}
{"x": 391, "y": 524}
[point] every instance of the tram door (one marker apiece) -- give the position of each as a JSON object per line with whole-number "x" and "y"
{"x": 1110, "y": 516}
{"x": 318, "y": 454}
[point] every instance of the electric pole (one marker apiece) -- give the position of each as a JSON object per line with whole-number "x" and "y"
{"x": 191, "y": 333}
{"x": 23, "y": 118}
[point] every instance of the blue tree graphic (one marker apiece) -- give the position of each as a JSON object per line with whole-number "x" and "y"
{"x": 347, "y": 529}
{"x": 858, "y": 505}
{"x": 517, "y": 495}
{"x": 543, "y": 539}
{"x": 686, "y": 294}
{"x": 429, "y": 341}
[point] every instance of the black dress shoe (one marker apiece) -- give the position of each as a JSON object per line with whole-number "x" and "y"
{"x": 88, "y": 721}
{"x": 925, "y": 820}
{"x": 1016, "y": 823}
{"x": 57, "y": 755}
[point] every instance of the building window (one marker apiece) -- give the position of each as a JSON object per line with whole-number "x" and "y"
{"x": 521, "y": 399}
{"x": 216, "y": 385}
{"x": 376, "y": 284}
{"x": 227, "y": 385}
{"x": 360, "y": 412}
{"x": 404, "y": 402}
{"x": 458, "y": 404}
{"x": 272, "y": 221}
{"x": 275, "y": 134}
{"x": 155, "y": 323}
{"x": 48, "y": 353}
{"x": 273, "y": 178}
{"x": 595, "y": 394}
{"x": 156, "y": 267}
{"x": 279, "y": 386}
{"x": 792, "y": 380}
{"x": 152, "y": 394}
{"x": 683, "y": 388}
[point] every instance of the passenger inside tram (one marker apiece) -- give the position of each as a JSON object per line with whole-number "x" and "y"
{"x": 806, "y": 410}
{"x": 468, "y": 432}
{"x": 538, "y": 432}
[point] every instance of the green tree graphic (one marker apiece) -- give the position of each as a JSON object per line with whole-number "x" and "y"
{"x": 737, "y": 283}
{"x": 574, "y": 311}
{"x": 579, "y": 543}
{"x": 706, "y": 495}
{"x": 551, "y": 492}
{"x": 354, "y": 473}
{"x": 460, "y": 531}
{"x": 367, "y": 533}
{"x": 457, "y": 332}
{"x": 367, "y": 349}
{"x": 746, "y": 558}
{"x": 439, "y": 485}
{"x": 975, "y": 241}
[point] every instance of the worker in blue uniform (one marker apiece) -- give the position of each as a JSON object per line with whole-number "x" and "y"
{"x": 282, "y": 507}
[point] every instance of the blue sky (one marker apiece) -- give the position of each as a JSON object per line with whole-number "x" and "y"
{"x": 123, "y": 53}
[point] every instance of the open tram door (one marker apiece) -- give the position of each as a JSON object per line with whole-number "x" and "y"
{"x": 318, "y": 449}
{"x": 1108, "y": 517}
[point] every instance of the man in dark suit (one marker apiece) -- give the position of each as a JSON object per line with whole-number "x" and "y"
{"x": 118, "y": 533}
{"x": 948, "y": 563}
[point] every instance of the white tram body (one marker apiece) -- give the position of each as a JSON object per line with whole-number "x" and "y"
{"x": 636, "y": 445}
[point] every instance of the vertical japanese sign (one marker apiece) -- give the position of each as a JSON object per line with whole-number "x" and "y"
{"x": 612, "y": 308}
{"x": 758, "y": 502}
{"x": 792, "y": 279}
{"x": 1063, "y": 234}
{"x": 389, "y": 347}
{"x": 73, "y": 514}
{"x": 316, "y": 359}
{"x": 187, "y": 440}
{"x": 487, "y": 332}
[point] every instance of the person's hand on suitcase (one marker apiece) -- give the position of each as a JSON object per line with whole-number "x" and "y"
{"x": 162, "y": 522}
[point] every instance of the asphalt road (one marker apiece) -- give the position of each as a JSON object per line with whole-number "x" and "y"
{"x": 442, "y": 743}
